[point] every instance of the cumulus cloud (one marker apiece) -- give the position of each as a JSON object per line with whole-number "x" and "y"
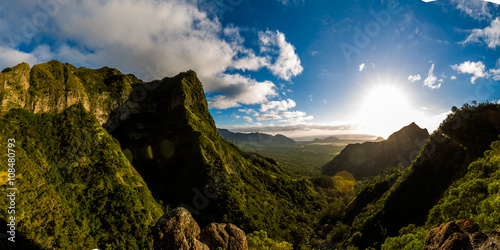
{"x": 476, "y": 9}
{"x": 278, "y": 105}
{"x": 361, "y": 67}
{"x": 477, "y": 69}
{"x": 153, "y": 39}
{"x": 495, "y": 74}
{"x": 287, "y": 65}
{"x": 453, "y": 77}
{"x": 489, "y": 35}
{"x": 431, "y": 79}
{"x": 244, "y": 91}
{"x": 414, "y": 78}
{"x": 248, "y": 119}
{"x": 265, "y": 117}
{"x": 249, "y": 111}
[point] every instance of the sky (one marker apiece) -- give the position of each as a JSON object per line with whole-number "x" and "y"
{"x": 302, "y": 68}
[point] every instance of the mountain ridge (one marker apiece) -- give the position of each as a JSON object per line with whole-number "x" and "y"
{"x": 370, "y": 158}
{"x": 255, "y": 137}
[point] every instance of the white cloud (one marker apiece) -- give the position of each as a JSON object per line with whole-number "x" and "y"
{"x": 361, "y": 67}
{"x": 453, "y": 77}
{"x": 489, "y": 35}
{"x": 244, "y": 91}
{"x": 249, "y": 111}
{"x": 278, "y": 105}
{"x": 432, "y": 79}
{"x": 476, "y": 9}
{"x": 414, "y": 78}
{"x": 287, "y": 65}
{"x": 265, "y": 117}
{"x": 154, "y": 39}
{"x": 248, "y": 119}
{"x": 495, "y": 73}
{"x": 475, "y": 68}
{"x": 237, "y": 117}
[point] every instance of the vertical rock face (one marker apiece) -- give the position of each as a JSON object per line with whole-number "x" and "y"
{"x": 53, "y": 87}
{"x": 461, "y": 235}
{"x": 177, "y": 230}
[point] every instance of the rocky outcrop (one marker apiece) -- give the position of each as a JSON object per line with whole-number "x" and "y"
{"x": 177, "y": 230}
{"x": 461, "y": 235}
{"x": 226, "y": 236}
{"x": 53, "y": 87}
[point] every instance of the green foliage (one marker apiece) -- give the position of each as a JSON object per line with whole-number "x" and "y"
{"x": 76, "y": 188}
{"x": 410, "y": 238}
{"x": 258, "y": 240}
{"x": 301, "y": 158}
{"x": 476, "y": 196}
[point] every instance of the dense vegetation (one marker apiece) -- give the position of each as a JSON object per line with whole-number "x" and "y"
{"x": 476, "y": 196}
{"x": 402, "y": 201}
{"x": 90, "y": 174}
{"x": 301, "y": 158}
{"x": 76, "y": 188}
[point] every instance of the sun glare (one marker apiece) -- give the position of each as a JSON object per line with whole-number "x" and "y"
{"x": 384, "y": 109}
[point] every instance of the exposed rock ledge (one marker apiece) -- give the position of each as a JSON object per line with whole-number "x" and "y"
{"x": 461, "y": 235}
{"x": 177, "y": 230}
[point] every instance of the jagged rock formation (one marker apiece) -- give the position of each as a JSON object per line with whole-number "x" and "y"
{"x": 53, "y": 87}
{"x": 177, "y": 230}
{"x": 255, "y": 137}
{"x": 171, "y": 139}
{"x": 461, "y": 235}
{"x": 370, "y": 158}
{"x": 165, "y": 130}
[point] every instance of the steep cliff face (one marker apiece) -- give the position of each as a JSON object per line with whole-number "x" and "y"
{"x": 171, "y": 139}
{"x": 165, "y": 130}
{"x": 52, "y": 87}
{"x": 370, "y": 158}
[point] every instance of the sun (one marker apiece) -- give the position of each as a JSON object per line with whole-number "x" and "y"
{"x": 384, "y": 109}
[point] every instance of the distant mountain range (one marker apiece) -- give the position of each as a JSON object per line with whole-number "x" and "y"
{"x": 327, "y": 139}
{"x": 370, "y": 158}
{"x": 255, "y": 137}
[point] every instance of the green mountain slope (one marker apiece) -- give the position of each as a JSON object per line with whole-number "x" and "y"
{"x": 89, "y": 191}
{"x": 172, "y": 141}
{"x": 370, "y": 158}
{"x": 461, "y": 139}
{"x": 475, "y": 196}
{"x": 76, "y": 189}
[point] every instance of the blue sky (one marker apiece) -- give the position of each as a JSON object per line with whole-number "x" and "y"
{"x": 302, "y": 68}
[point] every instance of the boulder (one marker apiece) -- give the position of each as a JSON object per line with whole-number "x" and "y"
{"x": 460, "y": 235}
{"x": 226, "y": 236}
{"x": 177, "y": 230}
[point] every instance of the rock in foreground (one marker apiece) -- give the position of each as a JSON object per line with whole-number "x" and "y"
{"x": 177, "y": 230}
{"x": 461, "y": 235}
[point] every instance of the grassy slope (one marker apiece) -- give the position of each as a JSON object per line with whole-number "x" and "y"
{"x": 76, "y": 188}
